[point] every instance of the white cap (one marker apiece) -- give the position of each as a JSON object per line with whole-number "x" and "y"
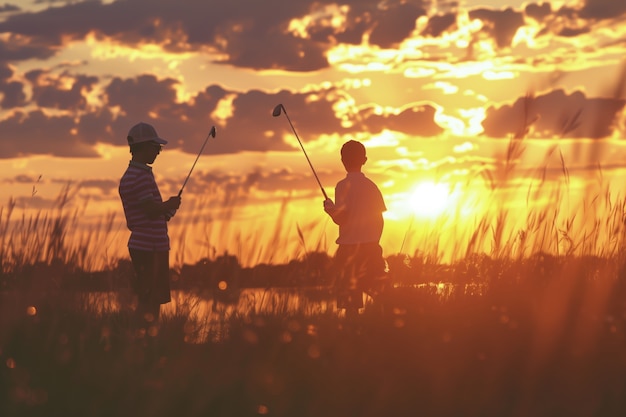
{"x": 143, "y": 132}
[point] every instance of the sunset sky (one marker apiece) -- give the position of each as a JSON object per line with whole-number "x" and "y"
{"x": 436, "y": 90}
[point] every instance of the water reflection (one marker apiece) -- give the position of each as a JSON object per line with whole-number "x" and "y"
{"x": 249, "y": 301}
{"x": 209, "y": 312}
{"x": 212, "y": 311}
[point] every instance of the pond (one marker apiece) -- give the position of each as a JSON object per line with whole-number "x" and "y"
{"x": 209, "y": 312}
{"x": 306, "y": 301}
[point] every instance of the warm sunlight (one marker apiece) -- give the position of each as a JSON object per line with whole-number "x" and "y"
{"x": 430, "y": 199}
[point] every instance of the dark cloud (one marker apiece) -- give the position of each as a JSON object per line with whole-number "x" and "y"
{"x": 356, "y": 25}
{"x": 564, "y": 22}
{"x": 252, "y": 127}
{"x": 225, "y": 26}
{"x": 571, "y": 32}
{"x": 49, "y": 90}
{"x": 18, "y": 49}
{"x": 11, "y": 92}
{"x": 51, "y": 2}
{"x": 394, "y": 24}
{"x": 6, "y": 72}
{"x": 311, "y": 113}
{"x": 567, "y": 21}
{"x": 142, "y": 95}
{"x": 249, "y": 129}
{"x": 603, "y": 9}
{"x": 249, "y": 126}
{"x": 253, "y": 34}
{"x": 286, "y": 53}
{"x": 6, "y": 7}
{"x": 35, "y": 133}
{"x": 248, "y": 33}
{"x": 103, "y": 127}
{"x": 538, "y": 11}
{"x": 238, "y": 186}
{"x": 416, "y": 121}
{"x": 567, "y": 13}
{"x": 23, "y": 179}
{"x": 499, "y": 24}
{"x": 438, "y": 24}
{"x": 555, "y": 114}
{"x": 55, "y": 25}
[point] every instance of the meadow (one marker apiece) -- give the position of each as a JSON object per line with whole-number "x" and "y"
{"x": 534, "y": 326}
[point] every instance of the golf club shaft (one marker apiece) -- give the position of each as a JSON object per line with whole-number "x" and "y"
{"x": 305, "y": 154}
{"x": 211, "y": 133}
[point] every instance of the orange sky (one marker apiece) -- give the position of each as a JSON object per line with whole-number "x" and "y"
{"x": 436, "y": 92}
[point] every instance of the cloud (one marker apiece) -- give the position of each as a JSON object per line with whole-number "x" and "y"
{"x": 262, "y": 35}
{"x": 106, "y": 187}
{"x": 35, "y": 133}
{"x": 15, "y": 48}
{"x": 538, "y": 11}
{"x": 237, "y": 187}
{"x": 12, "y": 91}
{"x": 142, "y": 95}
{"x": 23, "y": 179}
{"x": 64, "y": 119}
{"x": 417, "y": 120}
{"x": 395, "y": 24}
{"x": 55, "y": 25}
{"x": 438, "y": 24}
{"x": 251, "y": 127}
{"x": 36, "y": 202}
{"x": 52, "y": 91}
{"x": 12, "y": 94}
{"x": 602, "y": 9}
{"x": 248, "y": 33}
{"x": 286, "y": 53}
{"x": 6, "y": 7}
{"x": 555, "y": 114}
{"x": 499, "y": 24}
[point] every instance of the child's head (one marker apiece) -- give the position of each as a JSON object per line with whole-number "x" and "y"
{"x": 353, "y": 155}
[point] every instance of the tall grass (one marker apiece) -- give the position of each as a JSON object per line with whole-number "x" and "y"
{"x": 542, "y": 334}
{"x": 554, "y": 220}
{"x": 551, "y": 222}
{"x": 55, "y": 236}
{"x": 67, "y": 235}
{"x": 205, "y": 229}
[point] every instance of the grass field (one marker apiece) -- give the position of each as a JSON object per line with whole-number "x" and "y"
{"x": 535, "y": 327}
{"x": 546, "y": 339}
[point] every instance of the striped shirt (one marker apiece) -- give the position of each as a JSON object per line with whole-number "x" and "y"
{"x": 136, "y": 186}
{"x": 363, "y": 203}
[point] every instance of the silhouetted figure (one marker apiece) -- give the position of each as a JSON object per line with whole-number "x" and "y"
{"x": 358, "y": 211}
{"x": 146, "y": 217}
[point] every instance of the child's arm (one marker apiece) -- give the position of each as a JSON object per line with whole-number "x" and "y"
{"x": 154, "y": 209}
{"x": 338, "y": 214}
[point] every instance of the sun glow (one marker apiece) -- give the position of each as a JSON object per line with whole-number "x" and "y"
{"x": 431, "y": 199}
{"x": 427, "y": 200}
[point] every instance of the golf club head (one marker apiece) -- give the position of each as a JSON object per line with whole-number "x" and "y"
{"x": 212, "y": 132}
{"x": 277, "y": 110}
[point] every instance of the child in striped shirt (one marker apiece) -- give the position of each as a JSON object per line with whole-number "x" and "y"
{"x": 146, "y": 217}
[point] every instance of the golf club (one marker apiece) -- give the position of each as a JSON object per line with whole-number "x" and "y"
{"x": 281, "y": 109}
{"x": 211, "y": 134}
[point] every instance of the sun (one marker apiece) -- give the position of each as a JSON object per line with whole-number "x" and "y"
{"x": 430, "y": 199}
